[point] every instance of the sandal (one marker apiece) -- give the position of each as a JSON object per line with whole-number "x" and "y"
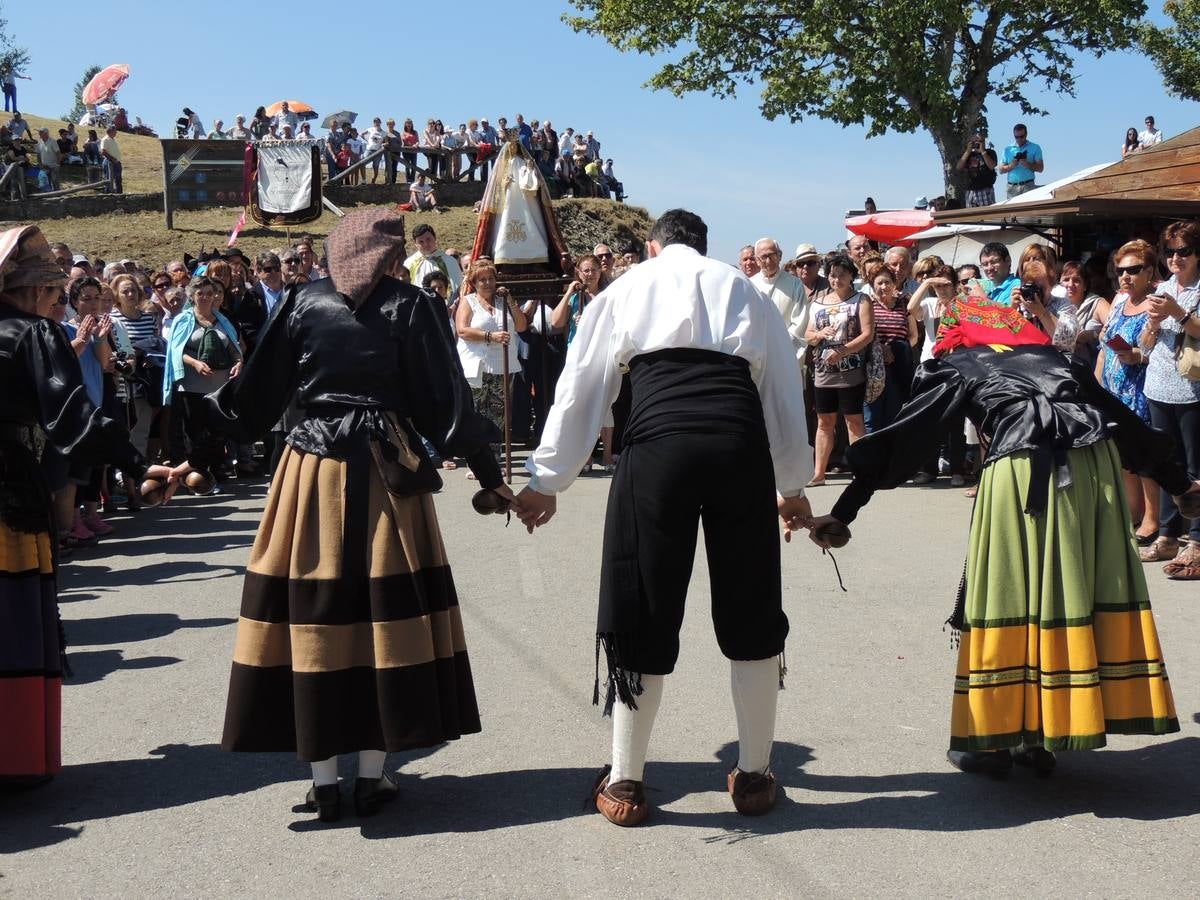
{"x": 816, "y": 482}
{"x": 1145, "y": 540}
{"x": 972, "y": 492}
{"x": 1164, "y": 549}
{"x": 1185, "y": 566}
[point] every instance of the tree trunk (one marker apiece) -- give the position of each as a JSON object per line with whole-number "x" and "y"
{"x": 950, "y": 146}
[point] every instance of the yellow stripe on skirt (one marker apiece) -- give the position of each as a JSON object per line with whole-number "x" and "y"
{"x": 1059, "y": 646}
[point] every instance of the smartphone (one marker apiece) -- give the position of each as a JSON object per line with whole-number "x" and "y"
{"x": 1118, "y": 344}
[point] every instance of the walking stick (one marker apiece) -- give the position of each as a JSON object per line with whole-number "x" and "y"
{"x": 544, "y": 388}
{"x": 507, "y": 399}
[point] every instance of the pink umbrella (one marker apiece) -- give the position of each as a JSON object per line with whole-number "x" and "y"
{"x": 892, "y": 226}
{"x": 105, "y": 83}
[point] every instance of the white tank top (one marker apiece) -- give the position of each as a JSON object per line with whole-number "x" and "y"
{"x": 478, "y": 357}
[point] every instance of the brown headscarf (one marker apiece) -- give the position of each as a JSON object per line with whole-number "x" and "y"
{"x": 361, "y": 249}
{"x": 26, "y": 260}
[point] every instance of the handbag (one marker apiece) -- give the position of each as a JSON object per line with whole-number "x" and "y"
{"x": 404, "y": 472}
{"x": 1187, "y": 354}
{"x": 876, "y": 372}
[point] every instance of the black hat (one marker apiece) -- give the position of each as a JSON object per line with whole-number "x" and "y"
{"x": 234, "y": 253}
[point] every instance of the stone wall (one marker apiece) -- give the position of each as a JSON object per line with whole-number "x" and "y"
{"x": 83, "y": 204}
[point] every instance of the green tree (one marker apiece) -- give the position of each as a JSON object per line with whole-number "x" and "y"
{"x": 12, "y": 57}
{"x": 1176, "y": 49}
{"x": 75, "y": 113}
{"x": 892, "y": 65}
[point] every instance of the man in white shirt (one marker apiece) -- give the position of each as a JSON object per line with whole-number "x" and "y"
{"x": 218, "y": 132}
{"x": 785, "y": 290}
{"x": 566, "y": 142}
{"x": 429, "y": 258}
{"x": 49, "y": 157}
{"x": 1150, "y": 136}
{"x": 374, "y": 139}
{"x": 900, "y": 262}
{"x": 285, "y": 116}
{"x": 715, "y": 390}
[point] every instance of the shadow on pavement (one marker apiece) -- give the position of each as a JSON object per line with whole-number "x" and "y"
{"x": 172, "y": 775}
{"x": 1144, "y": 784}
{"x": 131, "y": 627}
{"x": 89, "y": 666}
{"x": 101, "y": 577}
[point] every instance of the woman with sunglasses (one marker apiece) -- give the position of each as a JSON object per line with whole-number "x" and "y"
{"x": 1121, "y": 368}
{"x": 1175, "y": 400}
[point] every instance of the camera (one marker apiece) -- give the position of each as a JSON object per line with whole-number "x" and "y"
{"x": 1024, "y": 154}
{"x": 122, "y": 363}
{"x": 1031, "y": 291}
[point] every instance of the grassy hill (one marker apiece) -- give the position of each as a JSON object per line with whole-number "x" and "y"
{"x": 144, "y": 235}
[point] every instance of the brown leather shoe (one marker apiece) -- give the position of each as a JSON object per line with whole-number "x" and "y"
{"x": 753, "y": 793}
{"x": 1164, "y": 549}
{"x": 623, "y": 803}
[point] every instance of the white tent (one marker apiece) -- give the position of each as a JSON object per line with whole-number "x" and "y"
{"x": 960, "y": 244}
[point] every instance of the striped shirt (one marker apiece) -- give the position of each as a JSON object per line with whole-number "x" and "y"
{"x": 143, "y": 328}
{"x": 891, "y": 324}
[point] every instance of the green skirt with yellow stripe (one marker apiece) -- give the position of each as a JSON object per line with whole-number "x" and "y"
{"x": 1059, "y": 646}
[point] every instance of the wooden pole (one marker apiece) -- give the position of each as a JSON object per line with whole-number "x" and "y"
{"x": 507, "y": 398}
{"x": 168, "y": 206}
{"x": 50, "y": 195}
{"x": 544, "y": 387}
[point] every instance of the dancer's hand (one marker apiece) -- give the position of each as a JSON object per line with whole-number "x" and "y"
{"x": 514, "y": 503}
{"x": 796, "y": 513}
{"x": 827, "y": 532}
{"x": 535, "y": 509}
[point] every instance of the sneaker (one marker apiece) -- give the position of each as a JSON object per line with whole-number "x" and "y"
{"x": 922, "y": 478}
{"x": 97, "y": 525}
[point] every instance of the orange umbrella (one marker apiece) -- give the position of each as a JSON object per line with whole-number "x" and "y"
{"x": 104, "y": 84}
{"x": 302, "y": 110}
{"x": 892, "y": 226}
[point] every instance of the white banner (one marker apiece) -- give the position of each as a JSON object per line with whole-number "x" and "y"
{"x": 285, "y": 174}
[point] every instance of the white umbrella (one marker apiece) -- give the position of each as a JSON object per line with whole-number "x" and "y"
{"x": 339, "y": 117}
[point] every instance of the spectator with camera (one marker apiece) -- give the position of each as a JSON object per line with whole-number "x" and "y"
{"x": 979, "y": 162}
{"x": 1022, "y": 161}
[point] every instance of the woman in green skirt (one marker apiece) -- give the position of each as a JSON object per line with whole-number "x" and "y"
{"x": 1058, "y": 644}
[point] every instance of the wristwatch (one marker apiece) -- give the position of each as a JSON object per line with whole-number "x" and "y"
{"x": 1187, "y": 317}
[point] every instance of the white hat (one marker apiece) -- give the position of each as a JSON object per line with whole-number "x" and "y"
{"x": 806, "y": 251}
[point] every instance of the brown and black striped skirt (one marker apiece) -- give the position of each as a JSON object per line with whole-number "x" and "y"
{"x": 333, "y": 656}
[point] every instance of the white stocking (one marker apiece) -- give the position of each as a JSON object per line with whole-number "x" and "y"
{"x": 370, "y": 763}
{"x": 325, "y": 771}
{"x": 755, "y": 686}
{"x": 631, "y": 731}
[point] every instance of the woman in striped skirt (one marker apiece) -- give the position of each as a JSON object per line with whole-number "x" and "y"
{"x": 43, "y": 406}
{"x": 1058, "y": 643}
{"x": 350, "y": 639}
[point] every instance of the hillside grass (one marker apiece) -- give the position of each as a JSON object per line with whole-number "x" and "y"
{"x": 144, "y": 235}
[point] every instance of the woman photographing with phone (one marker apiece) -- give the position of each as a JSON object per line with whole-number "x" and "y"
{"x": 1174, "y": 399}
{"x": 1121, "y": 368}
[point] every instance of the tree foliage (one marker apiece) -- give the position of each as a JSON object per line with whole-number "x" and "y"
{"x": 75, "y": 113}
{"x": 12, "y": 57}
{"x": 1176, "y": 49}
{"x": 891, "y": 65}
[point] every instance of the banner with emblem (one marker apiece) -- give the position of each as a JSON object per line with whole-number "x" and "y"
{"x": 285, "y": 181}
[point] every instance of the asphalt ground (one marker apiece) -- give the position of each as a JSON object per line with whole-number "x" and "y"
{"x": 148, "y": 805}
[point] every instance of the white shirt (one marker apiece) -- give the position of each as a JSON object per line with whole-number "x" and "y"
{"x": 419, "y": 266}
{"x": 487, "y": 357}
{"x": 375, "y": 138}
{"x": 678, "y": 299}
{"x": 787, "y": 292}
{"x": 928, "y": 310}
{"x": 1149, "y": 138}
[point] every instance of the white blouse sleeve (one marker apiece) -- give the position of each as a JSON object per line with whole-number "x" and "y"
{"x": 782, "y": 396}
{"x": 587, "y": 388}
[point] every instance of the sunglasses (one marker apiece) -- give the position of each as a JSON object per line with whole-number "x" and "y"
{"x": 604, "y": 256}
{"x": 1181, "y": 252}
{"x": 809, "y": 263}
{"x": 162, "y": 285}
{"x": 269, "y": 269}
{"x": 291, "y": 262}
{"x": 1130, "y": 270}
{"x": 964, "y": 281}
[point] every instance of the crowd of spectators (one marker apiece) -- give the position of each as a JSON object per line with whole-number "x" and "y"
{"x": 862, "y": 320}
{"x": 40, "y": 157}
{"x": 572, "y": 161}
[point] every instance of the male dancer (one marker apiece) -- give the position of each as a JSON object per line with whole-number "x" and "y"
{"x": 716, "y": 436}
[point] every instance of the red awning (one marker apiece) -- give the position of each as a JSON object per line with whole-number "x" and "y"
{"x": 891, "y": 227}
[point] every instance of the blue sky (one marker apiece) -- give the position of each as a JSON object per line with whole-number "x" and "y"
{"x": 747, "y": 177}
